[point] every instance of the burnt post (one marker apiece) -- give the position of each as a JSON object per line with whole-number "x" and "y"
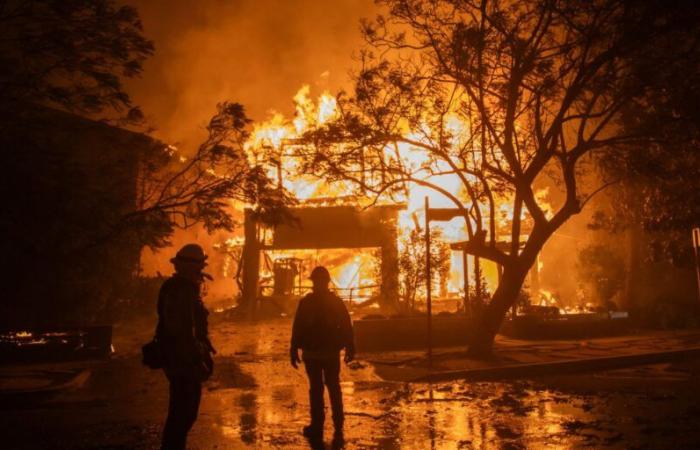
{"x": 251, "y": 263}
{"x": 389, "y": 261}
{"x": 535, "y": 280}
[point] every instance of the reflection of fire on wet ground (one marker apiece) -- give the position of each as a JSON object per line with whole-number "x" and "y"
{"x": 256, "y": 400}
{"x": 566, "y": 412}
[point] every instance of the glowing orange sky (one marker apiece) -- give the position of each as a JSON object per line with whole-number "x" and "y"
{"x": 256, "y": 52}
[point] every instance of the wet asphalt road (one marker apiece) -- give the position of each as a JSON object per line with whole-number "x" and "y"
{"x": 256, "y": 400}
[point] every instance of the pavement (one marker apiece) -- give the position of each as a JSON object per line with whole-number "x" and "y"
{"x": 256, "y": 400}
{"x": 27, "y": 380}
{"x": 514, "y": 358}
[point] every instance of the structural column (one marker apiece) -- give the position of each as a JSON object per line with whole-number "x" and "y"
{"x": 251, "y": 263}
{"x": 390, "y": 263}
{"x": 535, "y": 281}
{"x": 465, "y": 271}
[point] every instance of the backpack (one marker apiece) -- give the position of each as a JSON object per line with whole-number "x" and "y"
{"x": 152, "y": 354}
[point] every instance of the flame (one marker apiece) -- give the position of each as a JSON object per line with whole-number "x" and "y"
{"x": 541, "y": 197}
{"x": 304, "y": 109}
{"x": 270, "y": 133}
{"x": 280, "y": 135}
{"x": 308, "y": 113}
{"x": 351, "y": 277}
{"x": 547, "y": 298}
{"x": 352, "y": 271}
{"x": 327, "y": 108}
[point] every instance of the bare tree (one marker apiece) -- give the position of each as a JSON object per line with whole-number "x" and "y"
{"x": 501, "y": 95}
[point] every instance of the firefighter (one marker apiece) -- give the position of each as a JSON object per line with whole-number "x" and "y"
{"x": 321, "y": 329}
{"x": 183, "y": 335}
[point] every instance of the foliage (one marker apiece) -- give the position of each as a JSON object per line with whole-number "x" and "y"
{"x": 532, "y": 88}
{"x": 73, "y": 54}
{"x": 602, "y": 269}
{"x": 480, "y": 299}
{"x": 659, "y": 179}
{"x": 412, "y": 263}
{"x": 178, "y": 192}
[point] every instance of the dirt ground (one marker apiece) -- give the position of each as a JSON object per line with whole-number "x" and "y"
{"x": 257, "y": 400}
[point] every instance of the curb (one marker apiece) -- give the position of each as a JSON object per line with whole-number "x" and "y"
{"x": 558, "y": 367}
{"x": 66, "y": 380}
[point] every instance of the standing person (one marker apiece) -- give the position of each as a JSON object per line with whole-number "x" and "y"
{"x": 322, "y": 328}
{"x": 183, "y": 336}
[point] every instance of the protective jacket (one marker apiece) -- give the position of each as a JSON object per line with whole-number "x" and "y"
{"x": 182, "y": 324}
{"x": 322, "y": 326}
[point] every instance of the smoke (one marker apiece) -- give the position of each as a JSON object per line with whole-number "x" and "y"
{"x": 256, "y": 52}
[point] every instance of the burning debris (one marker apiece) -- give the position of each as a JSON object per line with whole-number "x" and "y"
{"x": 55, "y": 344}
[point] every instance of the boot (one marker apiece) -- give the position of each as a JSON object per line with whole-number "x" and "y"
{"x": 338, "y": 438}
{"x": 312, "y": 432}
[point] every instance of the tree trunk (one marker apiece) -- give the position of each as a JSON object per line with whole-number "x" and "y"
{"x": 488, "y": 322}
{"x": 491, "y": 317}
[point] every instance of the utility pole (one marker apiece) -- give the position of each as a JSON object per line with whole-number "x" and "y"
{"x": 439, "y": 214}
{"x": 428, "y": 296}
{"x": 696, "y": 250}
{"x": 465, "y": 271}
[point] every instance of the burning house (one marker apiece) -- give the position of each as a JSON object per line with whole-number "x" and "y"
{"x": 335, "y": 228}
{"x": 276, "y": 144}
{"x": 273, "y": 262}
{"x": 362, "y": 238}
